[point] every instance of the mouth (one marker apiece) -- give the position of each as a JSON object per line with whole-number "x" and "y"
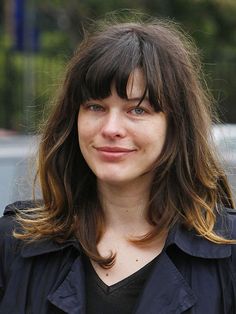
{"x": 114, "y": 149}
{"x": 112, "y": 154}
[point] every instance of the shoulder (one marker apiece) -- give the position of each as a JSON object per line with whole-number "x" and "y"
{"x": 190, "y": 242}
{"x": 9, "y": 245}
{"x": 11, "y": 209}
{"x": 13, "y": 246}
{"x": 231, "y": 215}
{"x": 8, "y": 221}
{"x": 226, "y": 223}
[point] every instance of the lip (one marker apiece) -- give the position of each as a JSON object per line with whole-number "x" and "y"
{"x": 113, "y": 154}
{"x": 114, "y": 149}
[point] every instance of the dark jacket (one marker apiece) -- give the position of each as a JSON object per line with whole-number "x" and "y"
{"x": 191, "y": 275}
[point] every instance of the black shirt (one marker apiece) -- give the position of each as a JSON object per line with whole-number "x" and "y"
{"x": 119, "y": 298}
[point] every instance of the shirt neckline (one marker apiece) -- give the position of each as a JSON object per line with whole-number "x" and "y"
{"x": 123, "y": 282}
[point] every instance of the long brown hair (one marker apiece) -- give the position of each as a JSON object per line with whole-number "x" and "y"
{"x": 189, "y": 185}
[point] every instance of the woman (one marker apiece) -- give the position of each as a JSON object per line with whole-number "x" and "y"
{"x": 133, "y": 217}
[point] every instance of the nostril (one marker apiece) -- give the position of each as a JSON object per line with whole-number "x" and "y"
{"x": 113, "y": 130}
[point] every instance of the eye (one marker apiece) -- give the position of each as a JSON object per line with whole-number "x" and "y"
{"x": 94, "y": 107}
{"x": 138, "y": 111}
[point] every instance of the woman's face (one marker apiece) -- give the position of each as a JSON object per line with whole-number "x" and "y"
{"x": 120, "y": 141}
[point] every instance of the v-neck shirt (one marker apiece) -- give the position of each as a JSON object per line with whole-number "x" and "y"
{"x": 119, "y": 298}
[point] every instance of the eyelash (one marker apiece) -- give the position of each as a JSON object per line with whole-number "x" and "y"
{"x": 98, "y": 108}
{"x": 140, "y": 109}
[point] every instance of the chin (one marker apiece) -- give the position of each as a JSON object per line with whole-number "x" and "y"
{"x": 111, "y": 177}
{"x": 112, "y": 180}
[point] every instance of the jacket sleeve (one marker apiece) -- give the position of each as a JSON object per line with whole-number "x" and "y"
{"x": 1, "y": 259}
{"x": 232, "y": 226}
{"x": 8, "y": 247}
{"x": 232, "y": 219}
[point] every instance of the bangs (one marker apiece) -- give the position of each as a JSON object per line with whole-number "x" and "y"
{"x": 111, "y": 61}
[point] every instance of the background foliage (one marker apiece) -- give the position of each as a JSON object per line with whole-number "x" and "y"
{"x": 29, "y": 77}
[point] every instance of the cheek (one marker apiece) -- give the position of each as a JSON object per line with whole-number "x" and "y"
{"x": 156, "y": 145}
{"x": 162, "y": 130}
{"x": 84, "y": 129}
{"x": 155, "y": 136}
{"x": 82, "y": 132}
{"x": 83, "y": 141}
{"x": 87, "y": 134}
{"x": 87, "y": 126}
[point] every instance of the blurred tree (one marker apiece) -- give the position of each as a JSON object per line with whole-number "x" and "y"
{"x": 211, "y": 23}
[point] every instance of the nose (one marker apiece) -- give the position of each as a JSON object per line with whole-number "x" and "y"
{"x": 113, "y": 126}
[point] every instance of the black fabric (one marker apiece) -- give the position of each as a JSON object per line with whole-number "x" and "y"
{"x": 191, "y": 275}
{"x": 119, "y": 298}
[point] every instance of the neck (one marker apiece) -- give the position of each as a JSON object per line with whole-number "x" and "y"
{"x": 125, "y": 206}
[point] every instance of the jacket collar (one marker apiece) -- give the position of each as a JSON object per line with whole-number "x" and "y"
{"x": 69, "y": 296}
{"x": 48, "y": 246}
{"x": 166, "y": 290}
{"x": 186, "y": 240}
{"x": 195, "y": 245}
{"x": 42, "y": 246}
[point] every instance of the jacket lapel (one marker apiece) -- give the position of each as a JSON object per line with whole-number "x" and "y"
{"x": 166, "y": 291}
{"x": 70, "y": 295}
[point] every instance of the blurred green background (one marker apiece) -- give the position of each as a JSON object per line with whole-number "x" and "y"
{"x": 37, "y": 37}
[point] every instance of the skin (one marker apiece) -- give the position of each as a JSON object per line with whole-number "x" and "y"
{"x": 121, "y": 143}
